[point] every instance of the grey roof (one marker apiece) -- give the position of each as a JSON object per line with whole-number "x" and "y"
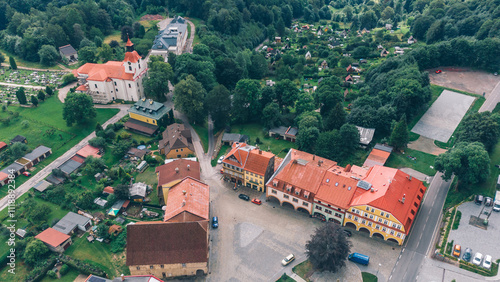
{"x": 14, "y": 166}
{"x": 138, "y": 189}
{"x": 42, "y": 185}
{"x": 118, "y": 204}
{"x": 383, "y": 148}
{"x": 168, "y": 36}
{"x": 38, "y": 152}
{"x": 149, "y": 108}
{"x": 54, "y": 180}
{"x": 234, "y": 137}
{"x": 120, "y": 220}
{"x": 365, "y": 135}
{"x": 100, "y": 202}
{"x": 70, "y": 166}
{"x": 292, "y": 131}
{"x": 18, "y": 138}
{"x": 69, "y": 222}
{"x": 279, "y": 130}
{"x": 67, "y": 50}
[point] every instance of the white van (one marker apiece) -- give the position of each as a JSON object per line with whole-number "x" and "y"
{"x": 496, "y": 204}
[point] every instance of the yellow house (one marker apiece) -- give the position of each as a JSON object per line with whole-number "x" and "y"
{"x": 146, "y": 116}
{"x": 385, "y": 204}
{"x": 174, "y": 172}
{"x": 176, "y": 142}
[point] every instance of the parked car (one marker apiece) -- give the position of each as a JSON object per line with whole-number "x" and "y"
{"x": 26, "y": 173}
{"x": 215, "y": 222}
{"x": 438, "y": 71}
{"x": 477, "y": 259}
{"x": 479, "y": 199}
{"x": 467, "y": 254}
{"x": 456, "y": 250}
{"x": 288, "y": 260}
{"x": 244, "y": 197}
{"x": 220, "y": 159}
{"x": 359, "y": 258}
{"x": 257, "y": 201}
{"x": 221, "y": 170}
{"x": 487, "y": 262}
{"x": 347, "y": 232}
{"x": 488, "y": 201}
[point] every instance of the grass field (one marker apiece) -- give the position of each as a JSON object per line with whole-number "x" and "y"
{"x": 254, "y": 131}
{"x": 197, "y": 23}
{"x": 68, "y": 277}
{"x": 303, "y": 269}
{"x": 116, "y": 35}
{"x": 26, "y": 64}
{"x": 422, "y": 163}
{"x": 285, "y": 278}
{"x": 203, "y": 134}
{"x": 47, "y": 116}
{"x": 99, "y": 253}
{"x": 368, "y": 277}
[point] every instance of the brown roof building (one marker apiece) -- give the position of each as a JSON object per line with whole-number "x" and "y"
{"x": 55, "y": 240}
{"x": 168, "y": 249}
{"x": 172, "y": 173}
{"x": 176, "y": 142}
{"x": 188, "y": 201}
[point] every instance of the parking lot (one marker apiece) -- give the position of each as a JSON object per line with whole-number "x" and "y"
{"x": 478, "y": 239}
{"x": 252, "y": 240}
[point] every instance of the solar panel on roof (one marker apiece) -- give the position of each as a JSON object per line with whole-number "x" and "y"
{"x": 364, "y": 185}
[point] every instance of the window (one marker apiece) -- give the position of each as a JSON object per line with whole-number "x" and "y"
{"x": 295, "y": 200}
{"x": 413, "y": 212}
{"x": 386, "y": 222}
{"x": 328, "y": 211}
{"x": 349, "y": 216}
{"x": 421, "y": 190}
{"x": 394, "y": 225}
{"x": 370, "y": 224}
{"x": 338, "y": 215}
{"x": 297, "y": 192}
{"x": 274, "y": 191}
{"x": 129, "y": 86}
{"x": 356, "y": 218}
{"x": 382, "y": 213}
{"x": 182, "y": 150}
{"x": 183, "y": 265}
{"x": 286, "y": 196}
{"x": 373, "y": 210}
{"x": 138, "y": 268}
{"x": 371, "y": 216}
{"x": 398, "y": 235}
{"x": 319, "y": 208}
{"x": 377, "y": 227}
{"x": 162, "y": 266}
{"x": 129, "y": 68}
{"x": 366, "y": 215}
{"x": 116, "y": 89}
{"x": 320, "y": 203}
{"x": 305, "y": 204}
{"x": 384, "y": 229}
{"x": 415, "y": 204}
{"x": 353, "y": 210}
{"x": 176, "y": 150}
{"x": 95, "y": 86}
{"x": 367, "y": 208}
{"x": 363, "y": 221}
{"x": 329, "y": 205}
{"x": 387, "y": 215}
{"x": 151, "y": 267}
{"x": 392, "y": 232}
{"x": 419, "y": 198}
{"x": 139, "y": 66}
{"x": 379, "y": 220}
{"x": 115, "y": 83}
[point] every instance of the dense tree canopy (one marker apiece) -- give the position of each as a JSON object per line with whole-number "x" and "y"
{"x": 78, "y": 108}
{"x": 189, "y": 96}
{"x": 481, "y": 127}
{"x": 328, "y": 248}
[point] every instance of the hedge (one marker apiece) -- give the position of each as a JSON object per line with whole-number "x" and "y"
{"x": 85, "y": 267}
{"x": 39, "y": 271}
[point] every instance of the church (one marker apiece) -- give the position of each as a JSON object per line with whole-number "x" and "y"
{"x": 114, "y": 80}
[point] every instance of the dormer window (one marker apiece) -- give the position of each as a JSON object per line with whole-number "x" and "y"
{"x": 129, "y": 63}
{"x": 289, "y": 188}
{"x": 275, "y": 183}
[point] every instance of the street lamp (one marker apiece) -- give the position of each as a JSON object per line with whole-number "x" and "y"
{"x": 379, "y": 265}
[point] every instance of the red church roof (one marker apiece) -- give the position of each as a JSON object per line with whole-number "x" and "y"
{"x": 101, "y": 72}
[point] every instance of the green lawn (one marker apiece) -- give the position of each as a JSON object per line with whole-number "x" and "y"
{"x": 368, "y": 277}
{"x": 203, "y": 134}
{"x": 303, "y": 269}
{"x": 254, "y": 131}
{"x": 197, "y": 24}
{"x": 20, "y": 272}
{"x": 422, "y": 163}
{"x": 285, "y": 278}
{"x": 68, "y": 277}
{"x": 47, "y": 116}
{"x": 23, "y": 63}
{"x": 99, "y": 253}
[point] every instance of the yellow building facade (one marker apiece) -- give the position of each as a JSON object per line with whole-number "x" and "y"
{"x": 376, "y": 222}
{"x": 179, "y": 153}
{"x": 170, "y": 270}
{"x": 254, "y": 180}
{"x": 143, "y": 118}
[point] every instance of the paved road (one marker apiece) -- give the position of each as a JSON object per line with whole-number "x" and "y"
{"x": 34, "y": 69}
{"x": 492, "y": 100}
{"x": 188, "y": 47}
{"x": 22, "y": 85}
{"x": 64, "y": 91}
{"x": 25, "y": 187}
{"x": 423, "y": 232}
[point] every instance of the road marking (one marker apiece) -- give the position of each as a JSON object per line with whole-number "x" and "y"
{"x": 399, "y": 257}
{"x": 403, "y": 250}
{"x": 390, "y": 277}
{"x": 397, "y": 262}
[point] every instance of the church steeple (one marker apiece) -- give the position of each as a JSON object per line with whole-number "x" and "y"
{"x": 130, "y": 45}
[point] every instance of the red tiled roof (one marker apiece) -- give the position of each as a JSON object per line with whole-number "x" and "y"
{"x": 101, "y": 72}
{"x": 79, "y": 159}
{"x": 3, "y": 145}
{"x": 125, "y": 204}
{"x": 258, "y": 161}
{"x": 89, "y": 151}
{"x": 189, "y": 195}
{"x": 336, "y": 190}
{"x": 52, "y": 237}
{"x": 238, "y": 155}
{"x": 167, "y": 243}
{"x": 376, "y": 157}
{"x": 167, "y": 172}
{"x": 109, "y": 190}
{"x": 129, "y": 43}
{"x": 3, "y": 176}
{"x": 141, "y": 126}
{"x": 82, "y": 87}
{"x": 389, "y": 187}
{"x": 133, "y": 57}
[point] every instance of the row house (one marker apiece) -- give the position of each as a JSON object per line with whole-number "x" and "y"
{"x": 381, "y": 201}
{"x": 249, "y": 166}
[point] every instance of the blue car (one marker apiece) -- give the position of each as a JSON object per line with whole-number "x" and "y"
{"x": 215, "y": 222}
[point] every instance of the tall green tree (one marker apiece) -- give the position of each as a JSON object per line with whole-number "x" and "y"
{"x": 49, "y": 91}
{"x": 87, "y": 54}
{"x": 480, "y": 127}
{"x": 246, "y": 106}
{"x": 156, "y": 83}
{"x": 48, "y": 55}
{"x": 41, "y": 95}
{"x": 2, "y": 58}
{"x": 350, "y": 138}
{"x": 305, "y": 103}
{"x": 306, "y": 138}
{"x": 400, "y": 135}
{"x": 470, "y": 162}
{"x": 189, "y": 95}
{"x": 105, "y": 53}
{"x": 21, "y": 96}
{"x": 35, "y": 251}
{"x": 271, "y": 115}
{"x": 34, "y": 101}
{"x": 218, "y": 105}
{"x": 336, "y": 118}
{"x": 328, "y": 248}
{"x": 78, "y": 108}
{"x": 12, "y": 62}
{"x": 286, "y": 93}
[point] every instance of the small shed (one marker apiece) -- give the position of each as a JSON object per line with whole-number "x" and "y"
{"x": 42, "y": 186}
{"x": 230, "y": 138}
{"x": 365, "y": 135}
{"x": 68, "y": 52}
{"x": 115, "y": 230}
{"x": 142, "y": 166}
{"x": 3, "y": 146}
{"x": 19, "y": 139}
{"x": 21, "y": 232}
{"x": 100, "y": 202}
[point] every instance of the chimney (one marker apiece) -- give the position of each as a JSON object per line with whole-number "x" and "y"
{"x": 260, "y": 152}
{"x": 373, "y": 189}
{"x": 409, "y": 178}
{"x": 314, "y": 157}
{"x": 403, "y": 200}
{"x": 176, "y": 170}
{"x": 347, "y": 168}
{"x": 184, "y": 192}
{"x": 122, "y": 277}
{"x": 320, "y": 162}
{"x": 189, "y": 166}
{"x": 184, "y": 203}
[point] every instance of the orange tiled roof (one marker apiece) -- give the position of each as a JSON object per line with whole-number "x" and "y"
{"x": 189, "y": 195}
{"x": 339, "y": 185}
{"x": 52, "y": 237}
{"x": 390, "y": 185}
{"x": 109, "y": 190}
{"x": 177, "y": 170}
{"x": 376, "y": 157}
{"x": 238, "y": 155}
{"x": 258, "y": 161}
{"x": 3, "y": 145}
{"x": 3, "y": 176}
{"x": 89, "y": 151}
{"x": 82, "y": 87}
{"x": 101, "y": 72}
{"x": 133, "y": 57}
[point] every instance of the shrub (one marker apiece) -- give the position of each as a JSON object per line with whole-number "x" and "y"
{"x": 64, "y": 269}
{"x": 458, "y": 216}
{"x": 52, "y": 274}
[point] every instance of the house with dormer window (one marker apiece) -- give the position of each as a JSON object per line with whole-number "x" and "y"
{"x": 146, "y": 116}
{"x": 172, "y": 39}
{"x": 176, "y": 142}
